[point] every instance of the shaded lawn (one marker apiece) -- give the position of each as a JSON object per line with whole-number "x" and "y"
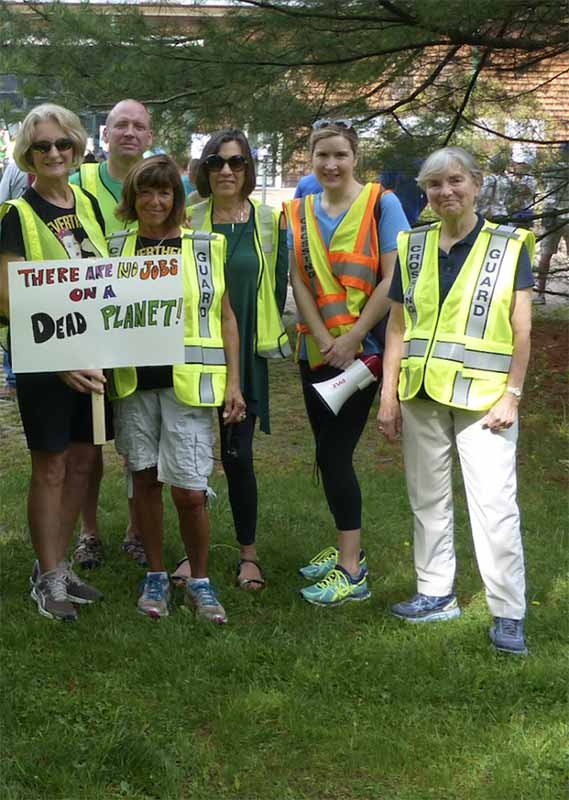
{"x": 289, "y": 701}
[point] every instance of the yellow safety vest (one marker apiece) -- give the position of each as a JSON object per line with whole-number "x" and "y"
{"x": 271, "y": 339}
{"x": 464, "y": 351}
{"x": 41, "y": 243}
{"x": 342, "y": 277}
{"x": 90, "y": 180}
{"x": 201, "y": 380}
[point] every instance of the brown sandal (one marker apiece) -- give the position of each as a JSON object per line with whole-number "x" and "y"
{"x": 245, "y": 583}
{"x": 180, "y": 578}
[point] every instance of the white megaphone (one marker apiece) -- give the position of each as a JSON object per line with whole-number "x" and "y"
{"x": 363, "y": 372}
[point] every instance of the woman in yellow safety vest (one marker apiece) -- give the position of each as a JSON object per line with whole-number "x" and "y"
{"x": 342, "y": 252}
{"x": 457, "y": 351}
{"x": 256, "y": 271}
{"x": 163, "y": 414}
{"x": 53, "y": 220}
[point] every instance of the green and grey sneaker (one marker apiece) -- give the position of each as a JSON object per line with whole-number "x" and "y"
{"x": 78, "y": 591}
{"x": 50, "y": 593}
{"x": 324, "y": 562}
{"x": 337, "y": 587}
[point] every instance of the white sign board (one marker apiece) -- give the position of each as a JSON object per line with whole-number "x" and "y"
{"x": 96, "y": 313}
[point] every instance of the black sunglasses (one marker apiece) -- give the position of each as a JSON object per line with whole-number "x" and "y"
{"x": 44, "y": 146}
{"x": 215, "y": 163}
{"x": 327, "y": 123}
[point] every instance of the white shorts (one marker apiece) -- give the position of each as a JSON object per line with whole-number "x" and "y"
{"x": 154, "y": 429}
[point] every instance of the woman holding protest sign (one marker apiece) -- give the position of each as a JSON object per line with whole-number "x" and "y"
{"x": 53, "y": 220}
{"x": 342, "y": 252}
{"x": 257, "y": 272}
{"x": 163, "y": 414}
{"x": 457, "y": 351}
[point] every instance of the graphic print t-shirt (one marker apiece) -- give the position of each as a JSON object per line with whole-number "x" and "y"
{"x": 62, "y": 222}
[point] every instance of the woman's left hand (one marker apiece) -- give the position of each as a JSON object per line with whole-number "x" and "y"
{"x": 502, "y": 415}
{"x": 343, "y": 351}
{"x": 235, "y": 408}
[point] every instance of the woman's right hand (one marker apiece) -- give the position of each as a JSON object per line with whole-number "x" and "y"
{"x": 84, "y": 380}
{"x": 389, "y": 418}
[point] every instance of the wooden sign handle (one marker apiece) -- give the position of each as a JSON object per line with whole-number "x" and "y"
{"x": 98, "y": 411}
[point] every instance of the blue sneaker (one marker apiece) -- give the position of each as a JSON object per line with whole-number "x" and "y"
{"x": 507, "y": 636}
{"x": 204, "y": 601}
{"x": 324, "y": 562}
{"x": 336, "y": 588}
{"x": 155, "y": 598}
{"x": 425, "y": 608}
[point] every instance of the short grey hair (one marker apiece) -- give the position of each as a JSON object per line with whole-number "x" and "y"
{"x": 440, "y": 160}
{"x": 69, "y": 123}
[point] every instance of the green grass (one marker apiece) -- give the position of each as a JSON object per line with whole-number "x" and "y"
{"x": 290, "y": 702}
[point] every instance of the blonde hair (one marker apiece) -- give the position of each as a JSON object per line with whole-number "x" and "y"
{"x": 440, "y": 160}
{"x": 69, "y": 123}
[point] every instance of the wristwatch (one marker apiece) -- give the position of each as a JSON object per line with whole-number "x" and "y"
{"x": 515, "y": 390}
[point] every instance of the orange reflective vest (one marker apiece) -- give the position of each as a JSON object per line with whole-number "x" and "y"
{"x": 342, "y": 276}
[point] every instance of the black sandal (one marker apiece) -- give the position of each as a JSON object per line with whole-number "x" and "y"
{"x": 244, "y": 583}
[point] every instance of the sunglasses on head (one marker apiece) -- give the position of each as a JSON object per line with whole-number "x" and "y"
{"x": 44, "y": 146}
{"x": 215, "y": 163}
{"x": 327, "y": 123}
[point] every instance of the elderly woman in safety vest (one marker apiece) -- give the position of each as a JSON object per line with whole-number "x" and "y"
{"x": 342, "y": 252}
{"x": 53, "y": 220}
{"x": 163, "y": 414}
{"x": 457, "y": 351}
{"x": 256, "y": 271}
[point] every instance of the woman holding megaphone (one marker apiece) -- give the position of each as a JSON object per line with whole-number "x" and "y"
{"x": 343, "y": 245}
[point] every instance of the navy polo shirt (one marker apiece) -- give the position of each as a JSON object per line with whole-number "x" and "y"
{"x": 451, "y": 263}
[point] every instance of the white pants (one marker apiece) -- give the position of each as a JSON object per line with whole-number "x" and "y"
{"x": 488, "y": 463}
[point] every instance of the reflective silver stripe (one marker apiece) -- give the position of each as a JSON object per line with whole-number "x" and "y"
{"x": 282, "y": 351}
{"x": 461, "y": 390}
{"x": 197, "y": 215}
{"x": 415, "y": 253}
{"x": 210, "y": 356}
{"x": 333, "y": 309}
{"x": 491, "y": 362}
{"x": 354, "y": 270}
{"x": 202, "y": 256}
{"x": 415, "y": 347}
{"x": 507, "y": 231}
{"x": 305, "y": 248}
{"x": 116, "y": 242}
{"x": 203, "y": 236}
{"x": 487, "y": 280}
{"x": 472, "y": 359}
{"x": 206, "y": 389}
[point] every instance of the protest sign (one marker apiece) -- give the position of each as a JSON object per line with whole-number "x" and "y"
{"x": 96, "y": 313}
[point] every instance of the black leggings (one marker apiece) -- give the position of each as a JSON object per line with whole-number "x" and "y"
{"x": 336, "y": 438}
{"x": 237, "y": 458}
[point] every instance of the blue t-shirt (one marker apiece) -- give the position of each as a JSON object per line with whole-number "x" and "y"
{"x": 307, "y": 185}
{"x": 392, "y": 219}
{"x": 451, "y": 263}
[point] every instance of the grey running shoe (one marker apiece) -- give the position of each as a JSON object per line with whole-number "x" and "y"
{"x": 135, "y": 549}
{"x": 88, "y": 552}
{"x": 77, "y": 590}
{"x": 155, "y": 598}
{"x": 50, "y": 593}
{"x": 507, "y": 636}
{"x": 203, "y": 599}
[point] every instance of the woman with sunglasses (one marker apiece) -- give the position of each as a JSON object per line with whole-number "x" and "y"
{"x": 54, "y": 220}
{"x": 163, "y": 414}
{"x": 343, "y": 246}
{"x": 256, "y": 271}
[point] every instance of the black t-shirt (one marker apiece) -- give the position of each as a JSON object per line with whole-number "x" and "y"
{"x": 62, "y": 222}
{"x": 156, "y": 377}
